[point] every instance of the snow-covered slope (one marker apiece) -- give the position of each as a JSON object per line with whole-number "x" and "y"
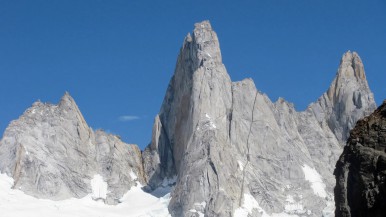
{"x": 135, "y": 203}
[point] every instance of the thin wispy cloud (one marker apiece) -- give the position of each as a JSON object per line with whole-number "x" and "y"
{"x": 125, "y": 118}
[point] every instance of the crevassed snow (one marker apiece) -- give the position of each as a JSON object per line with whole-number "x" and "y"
{"x": 316, "y": 181}
{"x": 135, "y": 203}
{"x": 99, "y": 187}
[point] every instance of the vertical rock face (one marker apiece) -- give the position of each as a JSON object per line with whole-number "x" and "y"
{"x": 52, "y": 153}
{"x": 230, "y": 146}
{"x": 197, "y": 103}
{"x": 361, "y": 170}
{"x": 347, "y": 100}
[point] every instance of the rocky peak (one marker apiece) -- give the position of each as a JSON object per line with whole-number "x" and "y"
{"x": 351, "y": 70}
{"x": 209, "y": 128}
{"x": 352, "y": 60}
{"x": 52, "y": 153}
{"x": 67, "y": 102}
{"x": 348, "y": 98}
{"x": 203, "y": 46}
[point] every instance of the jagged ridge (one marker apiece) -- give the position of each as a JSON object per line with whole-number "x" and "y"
{"x": 226, "y": 140}
{"x": 51, "y": 152}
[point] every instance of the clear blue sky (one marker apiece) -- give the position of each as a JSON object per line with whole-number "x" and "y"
{"x": 117, "y": 57}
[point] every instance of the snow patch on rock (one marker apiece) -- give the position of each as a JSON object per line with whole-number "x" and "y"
{"x": 292, "y": 206}
{"x": 209, "y": 122}
{"x": 249, "y": 204}
{"x": 99, "y": 187}
{"x": 329, "y": 210}
{"x": 240, "y": 165}
{"x": 316, "y": 181}
{"x": 133, "y": 175}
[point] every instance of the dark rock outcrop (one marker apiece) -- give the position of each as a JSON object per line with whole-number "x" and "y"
{"x": 361, "y": 170}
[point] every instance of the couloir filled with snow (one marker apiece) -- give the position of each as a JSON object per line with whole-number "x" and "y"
{"x": 135, "y": 203}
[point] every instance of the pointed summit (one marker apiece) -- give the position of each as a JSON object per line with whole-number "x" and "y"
{"x": 351, "y": 66}
{"x": 348, "y": 98}
{"x": 67, "y": 101}
{"x": 197, "y": 103}
{"x": 350, "y": 75}
{"x": 202, "y": 47}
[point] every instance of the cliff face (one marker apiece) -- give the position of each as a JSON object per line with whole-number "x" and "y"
{"x": 228, "y": 144}
{"x": 348, "y": 98}
{"x": 361, "y": 170}
{"x": 52, "y": 153}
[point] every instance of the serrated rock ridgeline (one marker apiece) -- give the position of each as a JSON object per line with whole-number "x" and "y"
{"x": 342, "y": 105}
{"x": 224, "y": 144}
{"x": 52, "y": 153}
{"x": 226, "y": 141}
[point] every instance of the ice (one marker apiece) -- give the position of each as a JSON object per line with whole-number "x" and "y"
{"x": 315, "y": 179}
{"x": 135, "y": 203}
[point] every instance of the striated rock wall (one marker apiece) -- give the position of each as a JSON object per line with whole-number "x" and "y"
{"x": 361, "y": 170}
{"x": 230, "y": 150}
{"x": 347, "y": 100}
{"x": 228, "y": 143}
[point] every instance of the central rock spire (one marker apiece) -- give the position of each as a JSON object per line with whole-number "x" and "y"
{"x": 198, "y": 101}
{"x": 227, "y": 143}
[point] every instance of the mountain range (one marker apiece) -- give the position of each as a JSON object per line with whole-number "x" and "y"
{"x": 220, "y": 148}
